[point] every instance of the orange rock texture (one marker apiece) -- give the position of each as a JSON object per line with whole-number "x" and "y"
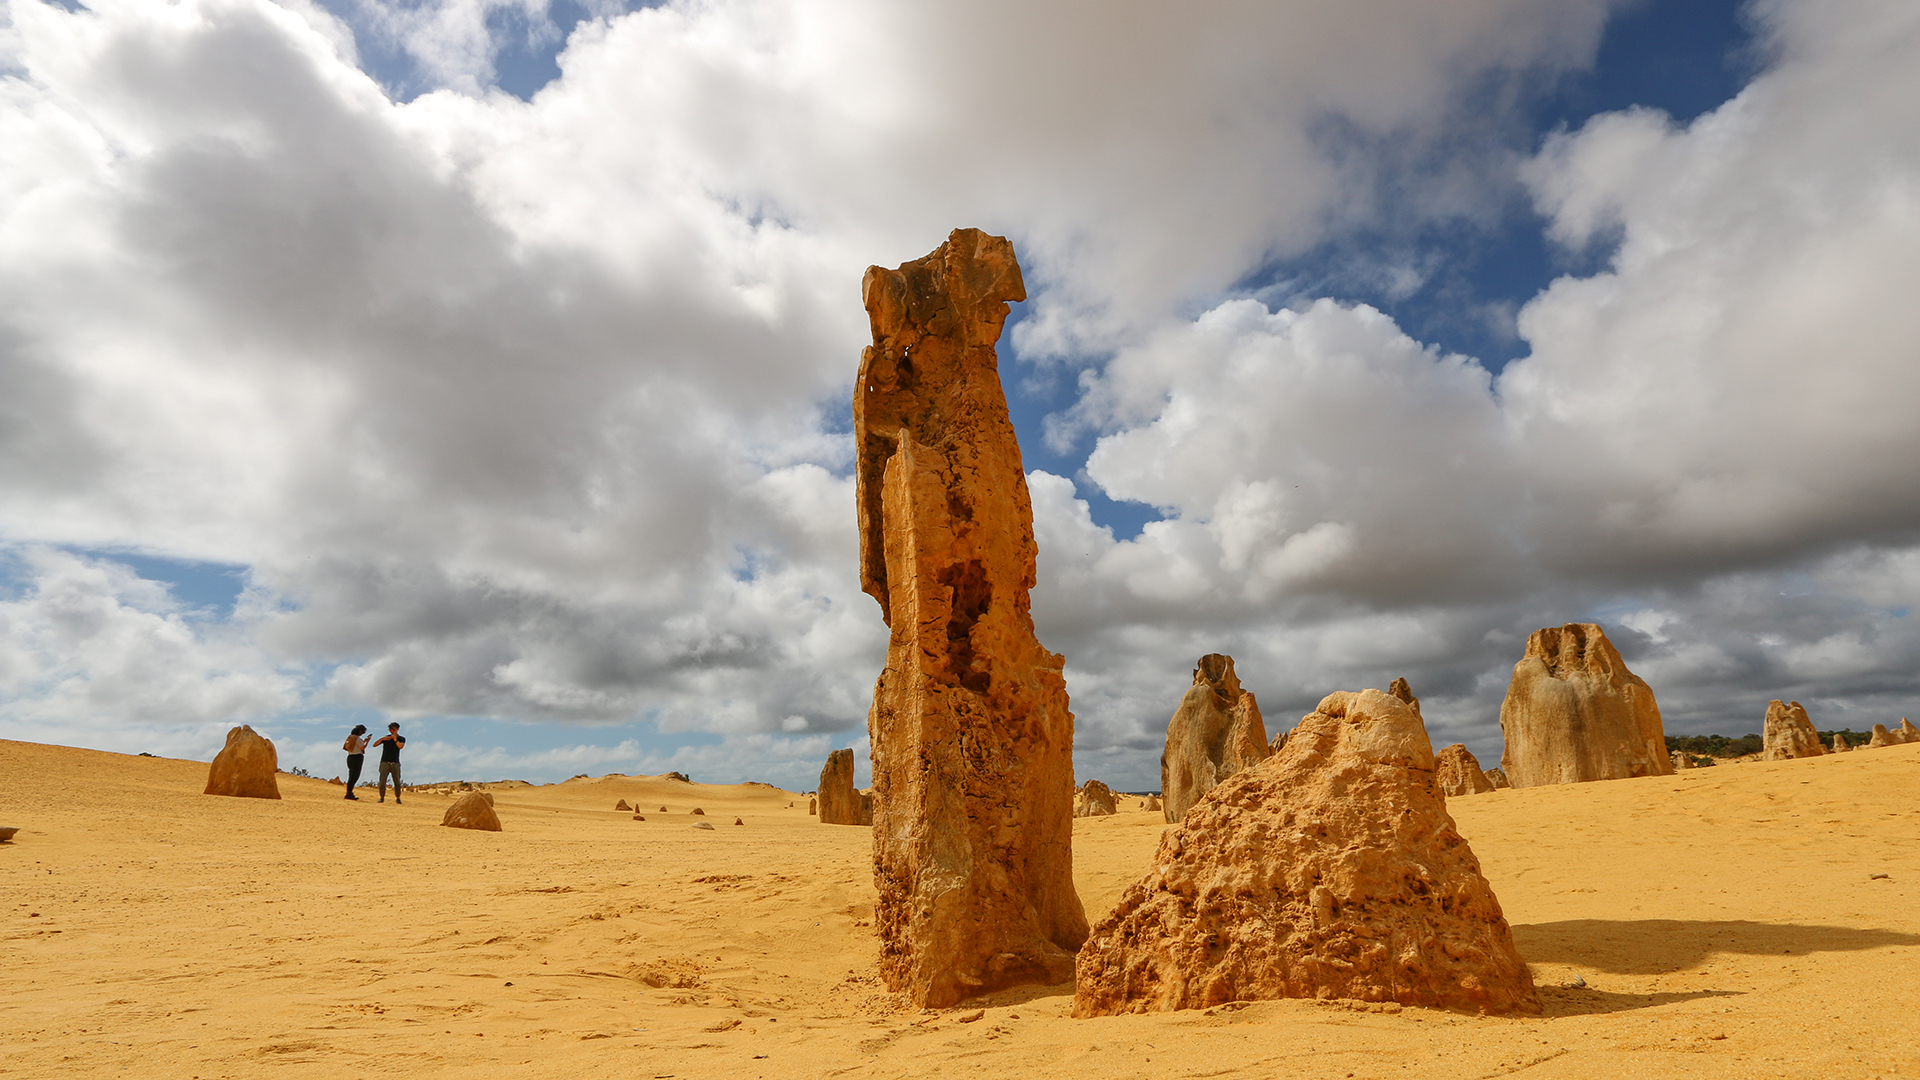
{"x": 1094, "y": 799}
{"x": 245, "y": 767}
{"x": 1459, "y": 772}
{"x": 1788, "y": 733}
{"x": 474, "y": 810}
{"x": 1216, "y": 732}
{"x": 972, "y": 738}
{"x": 840, "y": 802}
{"x": 1574, "y": 713}
{"x": 1331, "y": 870}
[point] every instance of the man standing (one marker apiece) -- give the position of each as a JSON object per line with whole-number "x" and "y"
{"x": 390, "y": 745}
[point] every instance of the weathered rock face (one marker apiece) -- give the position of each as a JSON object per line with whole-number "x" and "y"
{"x": 474, "y": 810}
{"x": 1681, "y": 760}
{"x": 1788, "y": 733}
{"x": 813, "y": 807}
{"x": 1883, "y": 737}
{"x": 1095, "y": 799}
{"x": 245, "y": 767}
{"x": 840, "y": 802}
{"x": 622, "y": 805}
{"x": 1840, "y": 743}
{"x": 1498, "y": 778}
{"x": 1216, "y": 732}
{"x": 1400, "y": 689}
{"x": 1331, "y": 870}
{"x": 1457, "y": 770}
{"x": 972, "y": 738}
{"x": 1907, "y": 732}
{"x": 1574, "y": 713}
{"x": 1153, "y": 803}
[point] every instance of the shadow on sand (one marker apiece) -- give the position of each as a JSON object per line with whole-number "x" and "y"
{"x": 1658, "y": 946}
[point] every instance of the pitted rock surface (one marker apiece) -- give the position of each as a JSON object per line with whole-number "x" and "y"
{"x": 474, "y": 810}
{"x": 1458, "y": 770}
{"x": 1331, "y": 870}
{"x": 1216, "y": 732}
{"x": 971, "y": 733}
{"x": 1574, "y": 713}
{"x": 1094, "y": 799}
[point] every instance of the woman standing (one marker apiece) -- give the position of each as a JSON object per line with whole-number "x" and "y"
{"x": 356, "y": 748}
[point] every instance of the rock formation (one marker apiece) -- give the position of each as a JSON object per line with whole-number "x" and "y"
{"x": 1498, "y": 778}
{"x": 813, "y": 807}
{"x": 1840, "y": 743}
{"x": 1153, "y": 803}
{"x": 474, "y": 810}
{"x": 840, "y": 802}
{"x": 1681, "y": 760}
{"x": 1456, "y": 769}
{"x": 1907, "y": 732}
{"x": 639, "y": 817}
{"x": 1788, "y": 733}
{"x": 697, "y": 812}
{"x": 737, "y": 821}
{"x": 1095, "y": 799}
{"x": 1883, "y": 737}
{"x": 622, "y": 805}
{"x": 245, "y": 767}
{"x": 703, "y": 825}
{"x": 1399, "y": 688}
{"x": 1574, "y": 713}
{"x": 1330, "y": 871}
{"x": 1216, "y": 732}
{"x": 972, "y": 738}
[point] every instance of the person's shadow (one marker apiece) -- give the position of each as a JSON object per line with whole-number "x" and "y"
{"x": 1660, "y": 946}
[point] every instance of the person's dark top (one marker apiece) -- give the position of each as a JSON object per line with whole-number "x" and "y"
{"x": 390, "y": 747}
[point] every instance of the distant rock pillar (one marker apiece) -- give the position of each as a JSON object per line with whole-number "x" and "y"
{"x": 1216, "y": 732}
{"x": 1574, "y": 713}
{"x": 1456, "y": 770}
{"x": 245, "y": 767}
{"x": 840, "y": 802}
{"x": 972, "y": 738}
{"x": 1788, "y": 733}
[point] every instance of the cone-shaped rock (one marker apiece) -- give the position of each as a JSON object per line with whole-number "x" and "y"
{"x": 1095, "y": 799}
{"x": 1907, "y": 732}
{"x": 1883, "y": 737}
{"x": 1457, "y": 770}
{"x": 1401, "y": 689}
{"x": 840, "y": 802}
{"x": 1681, "y": 760}
{"x": 1574, "y": 713}
{"x": 1498, "y": 778}
{"x": 1840, "y": 743}
{"x": 245, "y": 767}
{"x": 972, "y": 740}
{"x": 1788, "y": 733}
{"x": 474, "y": 810}
{"x": 1331, "y": 870}
{"x": 1216, "y": 732}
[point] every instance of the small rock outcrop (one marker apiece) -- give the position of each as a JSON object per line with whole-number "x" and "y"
{"x": 1216, "y": 732}
{"x": 1399, "y": 688}
{"x": 972, "y": 737}
{"x": 1574, "y": 713}
{"x": 622, "y": 805}
{"x": 1788, "y": 733}
{"x": 1456, "y": 769}
{"x": 707, "y": 825}
{"x": 1330, "y": 871}
{"x": 1682, "y": 760}
{"x": 697, "y": 812}
{"x": 1840, "y": 743}
{"x": 474, "y": 810}
{"x": 1152, "y": 803}
{"x": 1907, "y": 732}
{"x": 840, "y": 802}
{"x": 639, "y": 817}
{"x": 1094, "y": 799}
{"x": 1498, "y": 778}
{"x": 245, "y": 767}
{"x": 813, "y": 807}
{"x": 737, "y": 821}
{"x": 1882, "y": 737}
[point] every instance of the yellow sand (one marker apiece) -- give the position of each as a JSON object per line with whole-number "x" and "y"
{"x": 1727, "y": 922}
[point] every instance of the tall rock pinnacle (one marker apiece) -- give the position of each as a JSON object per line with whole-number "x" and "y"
{"x": 972, "y": 740}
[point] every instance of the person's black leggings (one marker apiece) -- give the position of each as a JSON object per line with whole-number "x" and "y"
{"x": 354, "y": 761}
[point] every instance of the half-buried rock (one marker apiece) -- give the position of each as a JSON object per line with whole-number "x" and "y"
{"x": 1574, "y": 713}
{"x": 1331, "y": 870}
{"x": 474, "y": 810}
{"x": 1498, "y": 778}
{"x": 245, "y": 767}
{"x": 1788, "y": 733}
{"x": 972, "y": 740}
{"x": 1216, "y": 732}
{"x": 1457, "y": 770}
{"x": 1882, "y": 737}
{"x": 1094, "y": 799}
{"x": 840, "y": 802}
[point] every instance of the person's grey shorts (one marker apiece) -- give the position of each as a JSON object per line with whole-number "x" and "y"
{"x": 390, "y": 768}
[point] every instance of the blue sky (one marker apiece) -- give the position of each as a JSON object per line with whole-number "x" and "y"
{"x": 395, "y": 373}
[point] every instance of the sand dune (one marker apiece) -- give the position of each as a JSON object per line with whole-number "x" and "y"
{"x": 1726, "y": 922}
